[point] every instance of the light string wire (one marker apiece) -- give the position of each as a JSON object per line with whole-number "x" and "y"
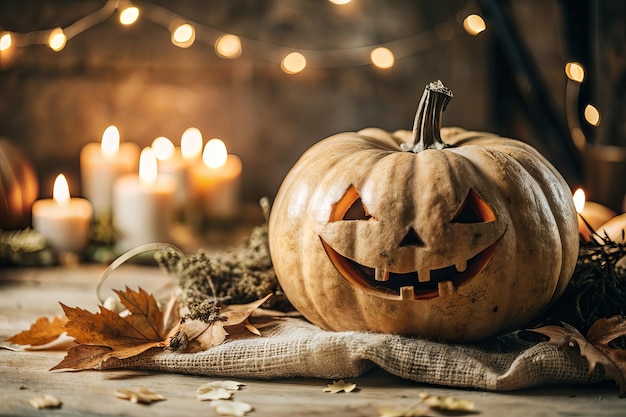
{"x": 445, "y": 31}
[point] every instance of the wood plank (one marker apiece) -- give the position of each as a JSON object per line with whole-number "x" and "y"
{"x": 28, "y": 293}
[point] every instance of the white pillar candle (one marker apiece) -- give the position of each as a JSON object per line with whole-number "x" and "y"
{"x": 101, "y": 164}
{"x": 62, "y": 220}
{"x": 216, "y": 181}
{"x": 142, "y": 205}
{"x": 170, "y": 163}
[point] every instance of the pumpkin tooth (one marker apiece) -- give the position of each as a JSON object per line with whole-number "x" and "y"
{"x": 461, "y": 265}
{"x": 423, "y": 275}
{"x": 407, "y": 293}
{"x": 381, "y": 275}
{"x": 446, "y": 288}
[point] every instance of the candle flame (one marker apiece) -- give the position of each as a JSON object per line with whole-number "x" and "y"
{"x": 579, "y": 200}
{"x": 215, "y": 154}
{"x": 147, "y": 166}
{"x": 191, "y": 144}
{"x": 110, "y": 145}
{"x": 163, "y": 148}
{"x": 61, "y": 191}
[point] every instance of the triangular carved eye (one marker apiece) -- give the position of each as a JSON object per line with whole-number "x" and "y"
{"x": 412, "y": 239}
{"x": 474, "y": 210}
{"x": 350, "y": 207}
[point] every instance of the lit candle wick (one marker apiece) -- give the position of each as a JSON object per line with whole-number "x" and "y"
{"x": 215, "y": 153}
{"x": 579, "y": 200}
{"x": 61, "y": 191}
{"x": 110, "y": 141}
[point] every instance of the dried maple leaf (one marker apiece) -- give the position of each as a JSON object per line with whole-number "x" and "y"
{"x": 197, "y": 335}
{"x": 595, "y": 347}
{"x": 338, "y": 386}
{"x": 41, "y": 332}
{"x": 106, "y": 334}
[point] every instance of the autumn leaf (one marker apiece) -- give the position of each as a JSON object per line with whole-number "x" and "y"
{"x": 231, "y": 408}
{"x": 447, "y": 403}
{"x": 217, "y": 390}
{"x": 196, "y": 335}
{"x": 45, "y": 401}
{"x": 106, "y": 334}
{"x": 41, "y": 332}
{"x": 141, "y": 395}
{"x": 338, "y": 386}
{"x": 595, "y": 347}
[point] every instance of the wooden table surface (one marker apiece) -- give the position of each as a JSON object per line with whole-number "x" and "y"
{"x": 28, "y": 293}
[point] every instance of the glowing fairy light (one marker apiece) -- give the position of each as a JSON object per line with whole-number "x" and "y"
{"x": 382, "y": 58}
{"x": 228, "y": 46}
{"x": 57, "y": 39}
{"x": 129, "y": 15}
{"x": 184, "y": 35}
{"x": 575, "y": 71}
{"x": 592, "y": 115}
{"x": 293, "y": 63}
{"x": 474, "y": 24}
{"x": 5, "y": 41}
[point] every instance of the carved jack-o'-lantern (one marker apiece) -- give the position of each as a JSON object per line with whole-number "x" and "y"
{"x": 440, "y": 233}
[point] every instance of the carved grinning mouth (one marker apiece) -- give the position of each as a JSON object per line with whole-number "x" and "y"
{"x": 407, "y": 286}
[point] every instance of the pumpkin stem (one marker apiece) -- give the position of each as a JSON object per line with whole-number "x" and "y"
{"x": 427, "y": 126}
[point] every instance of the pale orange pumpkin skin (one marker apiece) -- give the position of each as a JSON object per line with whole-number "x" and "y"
{"x": 18, "y": 187}
{"x": 531, "y": 230}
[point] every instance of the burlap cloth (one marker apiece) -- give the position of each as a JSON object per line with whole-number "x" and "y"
{"x": 296, "y": 348}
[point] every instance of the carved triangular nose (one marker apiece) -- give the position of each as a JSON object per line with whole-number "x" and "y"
{"x": 411, "y": 239}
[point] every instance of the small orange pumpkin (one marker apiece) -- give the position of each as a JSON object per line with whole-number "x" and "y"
{"x": 18, "y": 187}
{"x": 439, "y": 233}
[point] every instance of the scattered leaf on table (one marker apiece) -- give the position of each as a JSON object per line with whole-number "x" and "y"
{"x": 338, "y": 386}
{"x": 106, "y": 334}
{"x": 229, "y": 385}
{"x": 141, "y": 395}
{"x": 45, "y": 401}
{"x": 402, "y": 412}
{"x": 231, "y": 408}
{"x": 41, "y": 332}
{"x": 446, "y": 403}
{"x": 215, "y": 393}
{"x": 595, "y": 347}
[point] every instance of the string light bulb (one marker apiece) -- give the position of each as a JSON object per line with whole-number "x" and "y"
{"x": 382, "y": 58}
{"x": 57, "y": 40}
{"x": 293, "y": 63}
{"x": 474, "y": 24}
{"x": 228, "y": 46}
{"x": 592, "y": 115}
{"x": 184, "y": 35}
{"x": 340, "y": 2}
{"x": 575, "y": 71}
{"x": 5, "y": 41}
{"x": 129, "y": 15}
